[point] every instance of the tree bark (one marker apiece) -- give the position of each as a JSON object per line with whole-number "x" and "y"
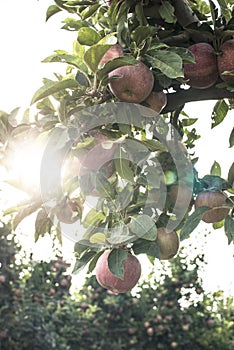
{"x": 177, "y": 99}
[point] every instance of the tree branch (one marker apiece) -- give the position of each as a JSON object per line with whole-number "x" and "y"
{"x": 179, "y": 98}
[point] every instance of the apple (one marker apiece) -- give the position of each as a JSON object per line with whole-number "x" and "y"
{"x": 99, "y": 155}
{"x": 114, "y": 51}
{"x": 226, "y": 60}
{"x": 168, "y": 242}
{"x": 132, "y": 273}
{"x": 204, "y": 72}
{"x": 180, "y": 196}
{"x": 2, "y": 278}
{"x": 156, "y": 100}
{"x": 212, "y": 200}
{"x": 150, "y": 331}
{"x": 134, "y": 83}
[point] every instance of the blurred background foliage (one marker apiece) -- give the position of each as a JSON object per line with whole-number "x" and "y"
{"x": 166, "y": 311}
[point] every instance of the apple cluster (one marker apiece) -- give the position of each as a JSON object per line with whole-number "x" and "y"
{"x": 209, "y": 65}
{"x": 133, "y": 83}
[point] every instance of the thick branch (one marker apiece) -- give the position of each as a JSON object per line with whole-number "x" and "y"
{"x": 179, "y": 98}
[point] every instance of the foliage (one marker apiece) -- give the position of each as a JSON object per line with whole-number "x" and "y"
{"x": 151, "y": 153}
{"x": 165, "y": 312}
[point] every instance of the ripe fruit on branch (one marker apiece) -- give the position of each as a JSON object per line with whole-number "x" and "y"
{"x": 168, "y": 242}
{"x": 132, "y": 273}
{"x": 180, "y": 196}
{"x": 134, "y": 83}
{"x": 212, "y": 200}
{"x": 204, "y": 72}
{"x": 99, "y": 154}
{"x": 226, "y": 60}
{"x": 114, "y": 51}
{"x": 156, "y": 100}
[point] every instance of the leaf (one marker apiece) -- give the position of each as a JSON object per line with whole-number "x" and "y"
{"x": 144, "y": 227}
{"x": 227, "y": 14}
{"x": 231, "y": 175}
{"x": 43, "y": 224}
{"x": 142, "y": 246}
{"x": 115, "y": 63}
{"x": 23, "y": 213}
{"x": 119, "y": 234}
{"x": 88, "y": 36}
{"x": 52, "y": 10}
{"x": 215, "y": 169}
{"x": 83, "y": 260}
{"x": 94, "y": 55}
{"x": 115, "y": 262}
{"x": 192, "y": 222}
{"x": 231, "y": 138}
{"x": 169, "y": 63}
{"x": 219, "y": 113}
{"x": 229, "y": 228}
{"x": 89, "y": 11}
{"x": 98, "y": 238}
{"x": 94, "y": 260}
{"x": 124, "y": 170}
{"x": 52, "y": 87}
{"x": 93, "y": 217}
{"x": 166, "y": 11}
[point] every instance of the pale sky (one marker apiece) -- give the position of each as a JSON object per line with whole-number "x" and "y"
{"x": 26, "y": 39}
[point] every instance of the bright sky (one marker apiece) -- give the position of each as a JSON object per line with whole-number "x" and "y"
{"x": 26, "y": 39}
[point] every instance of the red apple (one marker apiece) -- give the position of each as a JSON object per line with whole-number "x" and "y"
{"x": 204, "y": 72}
{"x": 180, "y": 196}
{"x": 156, "y": 100}
{"x": 132, "y": 273}
{"x": 134, "y": 83}
{"x": 99, "y": 155}
{"x": 114, "y": 51}
{"x": 168, "y": 242}
{"x": 212, "y": 200}
{"x": 226, "y": 60}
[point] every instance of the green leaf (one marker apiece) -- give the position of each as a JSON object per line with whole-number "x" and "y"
{"x": 219, "y": 113}
{"x": 227, "y": 14}
{"x": 94, "y": 260}
{"x": 169, "y": 63}
{"x": 231, "y": 138}
{"x": 141, "y": 33}
{"x": 142, "y": 246}
{"x": 215, "y": 169}
{"x": 52, "y": 87}
{"x": 52, "y": 10}
{"x": 166, "y": 11}
{"x": 119, "y": 234}
{"x": 229, "y": 228}
{"x": 98, "y": 238}
{"x": 124, "y": 169}
{"x": 231, "y": 175}
{"x": 89, "y": 11}
{"x": 88, "y": 36}
{"x": 93, "y": 218}
{"x": 192, "y": 222}
{"x": 115, "y": 63}
{"x": 66, "y": 58}
{"x": 83, "y": 261}
{"x": 24, "y": 212}
{"x": 43, "y": 224}
{"x": 94, "y": 55}
{"x": 144, "y": 227}
{"x": 115, "y": 262}
{"x": 103, "y": 186}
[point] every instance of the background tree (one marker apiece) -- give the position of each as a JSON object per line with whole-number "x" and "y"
{"x": 164, "y": 312}
{"x": 141, "y": 167}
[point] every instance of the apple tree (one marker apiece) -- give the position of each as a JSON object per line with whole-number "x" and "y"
{"x": 118, "y": 170}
